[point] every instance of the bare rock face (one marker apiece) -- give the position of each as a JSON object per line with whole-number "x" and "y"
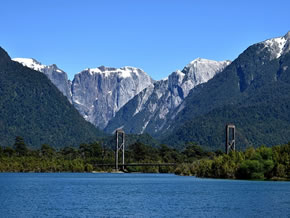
{"x": 96, "y": 93}
{"x": 99, "y": 93}
{"x": 57, "y": 76}
{"x": 150, "y": 110}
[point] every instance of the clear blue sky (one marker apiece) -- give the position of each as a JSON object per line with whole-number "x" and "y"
{"x": 158, "y": 36}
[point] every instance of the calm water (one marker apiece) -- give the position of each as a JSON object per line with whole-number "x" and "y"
{"x": 138, "y": 195}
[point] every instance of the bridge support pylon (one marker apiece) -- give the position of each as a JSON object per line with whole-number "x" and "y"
{"x": 120, "y": 146}
{"x": 230, "y": 138}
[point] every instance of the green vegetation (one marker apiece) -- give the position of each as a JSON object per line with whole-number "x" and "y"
{"x": 19, "y": 158}
{"x": 31, "y": 106}
{"x": 261, "y": 163}
{"x": 253, "y": 93}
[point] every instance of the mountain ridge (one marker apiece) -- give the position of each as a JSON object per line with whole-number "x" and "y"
{"x": 32, "y": 107}
{"x": 95, "y": 102}
{"x": 253, "y": 80}
{"x": 149, "y": 110}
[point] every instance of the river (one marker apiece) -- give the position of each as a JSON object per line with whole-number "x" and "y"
{"x": 138, "y": 195}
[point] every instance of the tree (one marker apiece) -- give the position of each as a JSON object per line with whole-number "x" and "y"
{"x": 96, "y": 150}
{"x": 20, "y": 147}
{"x": 193, "y": 151}
{"x": 8, "y": 151}
{"x": 251, "y": 169}
{"x": 140, "y": 151}
{"x": 47, "y": 150}
{"x": 168, "y": 154}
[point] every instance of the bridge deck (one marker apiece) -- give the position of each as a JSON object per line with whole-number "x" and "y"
{"x": 136, "y": 164}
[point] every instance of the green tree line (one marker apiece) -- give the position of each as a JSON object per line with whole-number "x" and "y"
{"x": 85, "y": 158}
{"x": 259, "y": 164}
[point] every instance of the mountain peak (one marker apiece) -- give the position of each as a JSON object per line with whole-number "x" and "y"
{"x": 36, "y": 65}
{"x": 4, "y": 57}
{"x": 30, "y": 63}
{"x": 287, "y": 36}
{"x": 57, "y": 76}
{"x": 204, "y": 61}
{"x": 201, "y": 69}
{"x": 99, "y": 93}
{"x": 278, "y": 46}
{"x": 123, "y": 72}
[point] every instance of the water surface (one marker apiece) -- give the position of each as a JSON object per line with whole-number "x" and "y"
{"x": 138, "y": 195}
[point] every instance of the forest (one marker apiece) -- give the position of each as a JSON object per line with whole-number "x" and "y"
{"x": 262, "y": 163}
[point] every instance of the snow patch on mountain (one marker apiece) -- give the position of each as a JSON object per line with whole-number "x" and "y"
{"x": 278, "y": 46}
{"x": 31, "y": 63}
{"x": 155, "y": 103}
{"x": 58, "y": 77}
{"x": 98, "y": 93}
{"x": 123, "y": 72}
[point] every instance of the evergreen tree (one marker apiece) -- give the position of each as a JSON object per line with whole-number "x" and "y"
{"x": 20, "y": 147}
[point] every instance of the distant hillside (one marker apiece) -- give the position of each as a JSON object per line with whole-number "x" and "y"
{"x": 253, "y": 93}
{"x": 32, "y": 107}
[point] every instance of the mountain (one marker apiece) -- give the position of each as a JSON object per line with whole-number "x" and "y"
{"x": 150, "y": 110}
{"x": 100, "y": 92}
{"x": 57, "y": 76}
{"x": 96, "y": 93}
{"x": 32, "y": 107}
{"x": 253, "y": 92}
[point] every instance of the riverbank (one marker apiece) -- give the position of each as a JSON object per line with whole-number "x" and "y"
{"x": 262, "y": 163}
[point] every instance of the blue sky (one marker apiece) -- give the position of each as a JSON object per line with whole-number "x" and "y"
{"x": 158, "y": 36}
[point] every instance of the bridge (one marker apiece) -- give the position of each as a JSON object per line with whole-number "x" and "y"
{"x": 137, "y": 164}
{"x": 120, "y": 147}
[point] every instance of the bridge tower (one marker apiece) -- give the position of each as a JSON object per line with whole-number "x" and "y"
{"x": 120, "y": 146}
{"x": 230, "y": 138}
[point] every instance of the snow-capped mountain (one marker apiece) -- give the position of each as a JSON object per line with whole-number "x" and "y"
{"x": 99, "y": 93}
{"x": 277, "y": 46}
{"x": 57, "y": 76}
{"x": 96, "y": 93}
{"x": 151, "y": 108}
{"x": 253, "y": 92}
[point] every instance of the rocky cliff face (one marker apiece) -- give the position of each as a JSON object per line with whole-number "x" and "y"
{"x": 151, "y": 108}
{"x": 99, "y": 93}
{"x": 57, "y": 76}
{"x": 96, "y": 93}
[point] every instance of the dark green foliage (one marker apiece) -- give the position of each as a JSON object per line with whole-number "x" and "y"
{"x": 110, "y": 141}
{"x": 261, "y": 163}
{"x": 170, "y": 154}
{"x": 141, "y": 153}
{"x": 253, "y": 93}
{"x": 87, "y": 156}
{"x": 20, "y": 147}
{"x": 193, "y": 152}
{"x": 32, "y": 107}
{"x": 47, "y": 151}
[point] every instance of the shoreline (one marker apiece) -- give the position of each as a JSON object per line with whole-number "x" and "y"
{"x": 274, "y": 179}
